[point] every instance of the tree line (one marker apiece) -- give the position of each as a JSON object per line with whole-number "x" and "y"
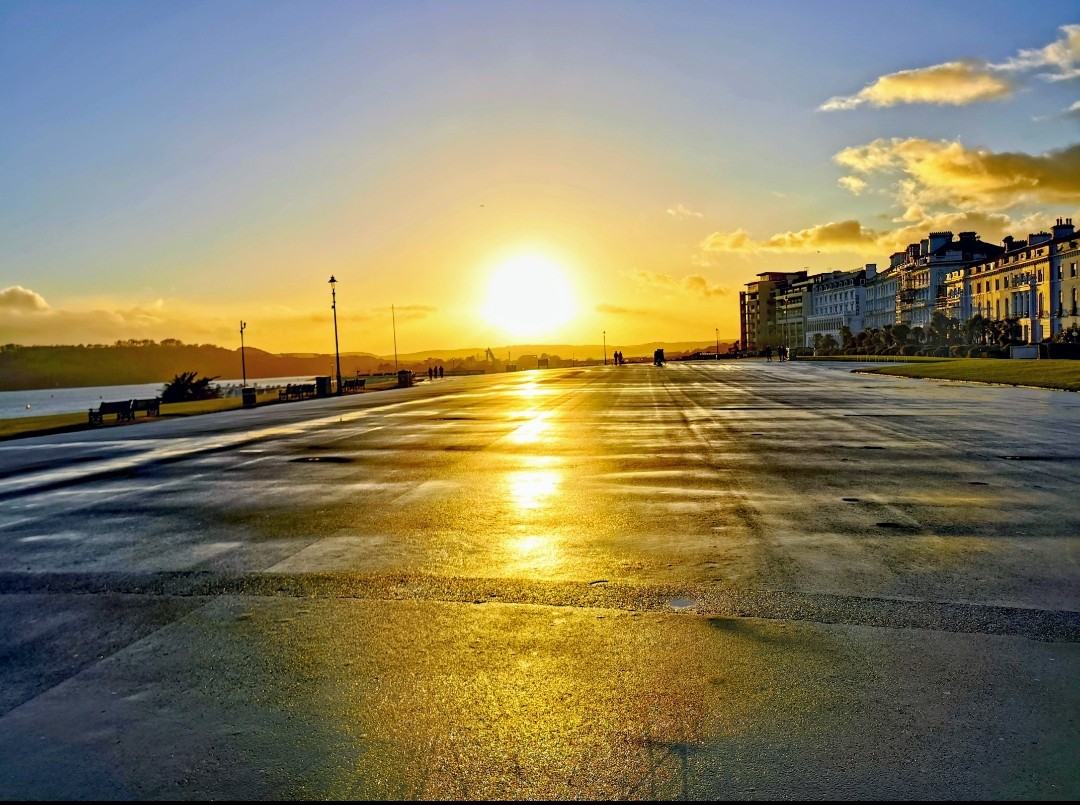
{"x": 977, "y": 337}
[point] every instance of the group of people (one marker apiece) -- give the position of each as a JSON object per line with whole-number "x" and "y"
{"x": 618, "y": 358}
{"x": 434, "y": 372}
{"x": 781, "y": 353}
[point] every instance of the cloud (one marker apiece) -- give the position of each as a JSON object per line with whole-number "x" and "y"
{"x": 1062, "y": 57}
{"x": 853, "y": 237}
{"x": 694, "y": 284}
{"x": 620, "y": 311}
{"x": 682, "y": 212}
{"x": 852, "y": 183}
{"x": 955, "y": 83}
{"x": 698, "y": 284}
{"x": 841, "y": 236}
{"x": 18, "y": 299}
{"x": 940, "y": 172}
{"x": 965, "y": 81}
{"x": 414, "y": 312}
{"x": 736, "y": 241}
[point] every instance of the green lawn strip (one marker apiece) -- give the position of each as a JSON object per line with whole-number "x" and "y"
{"x": 878, "y": 359}
{"x": 1049, "y": 374}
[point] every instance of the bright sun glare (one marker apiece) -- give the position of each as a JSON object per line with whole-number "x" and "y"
{"x": 529, "y": 296}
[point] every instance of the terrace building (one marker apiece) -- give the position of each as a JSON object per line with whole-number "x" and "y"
{"x": 1033, "y": 280}
{"x": 837, "y": 300}
{"x": 757, "y": 308}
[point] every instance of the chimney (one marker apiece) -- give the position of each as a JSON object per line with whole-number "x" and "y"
{"x": 871, "y": 270}
{"x": 1063, "y": 230}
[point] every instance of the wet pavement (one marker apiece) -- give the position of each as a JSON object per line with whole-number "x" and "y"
{"x": 737, "y": 580}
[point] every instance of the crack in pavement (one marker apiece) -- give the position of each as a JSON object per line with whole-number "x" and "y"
{"x": 705, "y": 600}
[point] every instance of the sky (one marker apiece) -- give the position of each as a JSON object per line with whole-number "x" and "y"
{"x": 485, "y": 173}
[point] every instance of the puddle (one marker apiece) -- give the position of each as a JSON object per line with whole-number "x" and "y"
{"x": 850, "y": 500}
{"x": 1040, "y": 458}
{"x": 681, "y": 603}
{"x": 323, "y": 459}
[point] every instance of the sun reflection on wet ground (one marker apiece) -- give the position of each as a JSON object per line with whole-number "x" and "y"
{"x": 530, "y": 489}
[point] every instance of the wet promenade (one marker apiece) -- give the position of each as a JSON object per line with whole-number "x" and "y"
{"x": 733, "y": 580}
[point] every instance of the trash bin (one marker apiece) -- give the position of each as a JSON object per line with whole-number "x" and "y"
{"x": 248, "y": 395}
{"x": 404, "y": 378}
{"x": 322, "y": 386}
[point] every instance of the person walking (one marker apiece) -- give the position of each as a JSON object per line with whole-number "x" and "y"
{"x": 768, "y": 354}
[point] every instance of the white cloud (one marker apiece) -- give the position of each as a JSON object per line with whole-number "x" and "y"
{"x": 681, "y": 211}
{"x": 965, "y": 81}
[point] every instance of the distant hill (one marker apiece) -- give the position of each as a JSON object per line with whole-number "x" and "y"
{"x": 131, "y": 362}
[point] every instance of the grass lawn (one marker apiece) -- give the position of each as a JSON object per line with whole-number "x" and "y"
{"x": 1046, "y": 374}
{"x": 65, "y": 423}
{"x": 877, "y": 359}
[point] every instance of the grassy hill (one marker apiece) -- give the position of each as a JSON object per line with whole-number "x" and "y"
{"x": 37, "y": 367}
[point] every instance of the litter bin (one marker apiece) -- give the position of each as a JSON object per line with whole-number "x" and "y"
{"x": 248, "y": 395}
{"x": 322, "y": 386}
{"x": 404, "y": 378}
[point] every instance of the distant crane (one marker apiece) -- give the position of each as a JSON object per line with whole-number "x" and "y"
{"x": 490, "y": 355}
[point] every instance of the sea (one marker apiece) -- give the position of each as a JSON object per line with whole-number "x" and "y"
{"x": 41, "y": 402}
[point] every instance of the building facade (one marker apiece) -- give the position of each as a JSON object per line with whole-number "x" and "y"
{"x": 837, "y": 300}
{"x": 1036, "y": 281}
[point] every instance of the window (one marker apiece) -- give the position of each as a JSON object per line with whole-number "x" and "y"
{"x": 1040, "y": 275}
{"x": 1072, "y": 269}
{"x": 1074, "y": 301}
{"x": 1006, "y": 282}
{"x": 997, "y": 309}
{"x": 997, "y": 285}
{"x": 978, "y": 287}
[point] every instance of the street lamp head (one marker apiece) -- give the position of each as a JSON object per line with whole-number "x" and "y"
{"x": 332, "y": 280}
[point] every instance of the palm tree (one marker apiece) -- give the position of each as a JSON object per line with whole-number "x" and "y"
{"x": 185, "y": 388}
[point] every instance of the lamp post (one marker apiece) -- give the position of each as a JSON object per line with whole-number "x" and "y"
{"x": 333, "y": 307}
{"x": 243, "y": 364}
{"x": 717, "y": 331}
{"x": 605, "y": 347}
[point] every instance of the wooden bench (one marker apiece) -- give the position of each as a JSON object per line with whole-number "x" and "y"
{"x": 151, "y": 406}
{"x": 299, "y": 391}
{"x": 353, "y": 385}
{"x": 121, "y": 409}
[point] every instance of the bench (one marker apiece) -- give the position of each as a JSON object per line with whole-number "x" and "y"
{"x": 151, "y": 406}
{"x": 121, "y": 409}
{"x": 351, "y": 385}
{"x": 299, "y": 391}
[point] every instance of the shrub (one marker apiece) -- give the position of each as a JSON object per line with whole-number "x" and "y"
{"x": 958, "y": 351}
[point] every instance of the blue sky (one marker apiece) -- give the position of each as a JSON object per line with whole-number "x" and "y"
{"x": 170, "y": 167}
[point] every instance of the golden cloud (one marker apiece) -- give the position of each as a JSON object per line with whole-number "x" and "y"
{"x": 841, "y": 236}
{"x": 694, "y": 284}
{"x": 943, "y": 172}
{"x": 617, "y": 310}
{"x": 18, "y": 299}
{"x": 955, "y": 83}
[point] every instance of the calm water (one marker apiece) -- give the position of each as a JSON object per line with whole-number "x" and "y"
{"x": 39, "y": 402}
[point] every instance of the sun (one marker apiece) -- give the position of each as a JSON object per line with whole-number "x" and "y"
{"x": 529, "y": 296}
